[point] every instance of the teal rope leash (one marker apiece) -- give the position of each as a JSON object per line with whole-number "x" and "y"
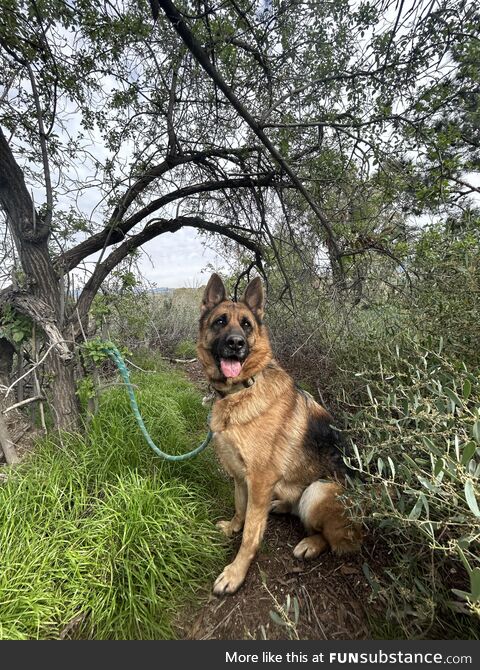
{"x": 116, "y": 357}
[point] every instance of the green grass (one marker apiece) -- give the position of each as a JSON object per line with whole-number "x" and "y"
{"x": 186, "y": 349}
{"x": 97, "y": 527}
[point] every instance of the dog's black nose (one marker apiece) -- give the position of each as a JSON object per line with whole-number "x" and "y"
{"x": 235, "y": 342}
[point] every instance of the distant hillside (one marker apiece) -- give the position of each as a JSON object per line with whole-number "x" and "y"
{"x": 161, "y": 289}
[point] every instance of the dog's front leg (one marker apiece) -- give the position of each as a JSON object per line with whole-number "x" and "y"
{"x": 258, "y": 505}
{"x": 236, "y": 524}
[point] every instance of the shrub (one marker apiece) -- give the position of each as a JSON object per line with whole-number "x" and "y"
{"x": 155, "y": 320}
{"x": 399, "y": 368}
{"x": 416, "y": 439}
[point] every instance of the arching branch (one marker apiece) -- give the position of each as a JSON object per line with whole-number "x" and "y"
{"x": 107, "y": 237}
{"x": 153, "y": 229}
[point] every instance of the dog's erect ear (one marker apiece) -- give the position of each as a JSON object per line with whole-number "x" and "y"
{"x": 254, "y": 297}
{"x": 214, "y": 293}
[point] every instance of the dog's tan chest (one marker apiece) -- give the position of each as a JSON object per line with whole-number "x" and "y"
{"x": 229, "y": 455}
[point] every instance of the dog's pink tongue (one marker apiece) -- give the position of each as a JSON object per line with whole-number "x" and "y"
{"x": 230, "y": 368}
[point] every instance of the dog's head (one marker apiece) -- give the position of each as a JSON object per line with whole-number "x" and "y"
{"x": 233, "y": 343}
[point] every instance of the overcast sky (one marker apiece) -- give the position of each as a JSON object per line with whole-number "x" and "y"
{"x": 178, "y": 259}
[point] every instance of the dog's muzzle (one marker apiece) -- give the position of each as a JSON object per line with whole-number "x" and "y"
{"x": 231, "y": 352}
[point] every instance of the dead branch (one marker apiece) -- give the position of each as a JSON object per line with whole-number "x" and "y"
{"x": 22, "y": 403}
{"x": 29, "y": 371}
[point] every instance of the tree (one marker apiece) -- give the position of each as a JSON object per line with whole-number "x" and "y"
{"x": 387, "y": 91}
{"x": 125, "y": 85}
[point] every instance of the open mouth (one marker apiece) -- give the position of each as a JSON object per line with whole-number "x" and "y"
{"x": 230, "y": 367}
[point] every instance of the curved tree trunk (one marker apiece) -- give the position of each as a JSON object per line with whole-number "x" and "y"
{"x": 40, "y": 297}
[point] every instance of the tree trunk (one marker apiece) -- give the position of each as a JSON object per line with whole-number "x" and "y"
{"x": 42, "y": 297}
{"x": 65, "y": 403}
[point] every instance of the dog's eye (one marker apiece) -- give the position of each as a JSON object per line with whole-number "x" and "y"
{"x": 221, "y": 321}
{"x": 246, "y": 325}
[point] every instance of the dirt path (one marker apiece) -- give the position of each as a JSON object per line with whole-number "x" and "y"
{"x": 331, "y": 593}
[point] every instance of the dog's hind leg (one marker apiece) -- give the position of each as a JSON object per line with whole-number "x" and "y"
{"x": 280, "y": 506}
{"x": 236, "y": 524}
{"x": 326, "y": 519}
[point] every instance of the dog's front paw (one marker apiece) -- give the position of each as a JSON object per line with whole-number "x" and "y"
{"x": 229, "y": 580}
{"x": 229, "y": 528}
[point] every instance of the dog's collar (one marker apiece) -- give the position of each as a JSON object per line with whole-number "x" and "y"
{"x": 235, "y": 388}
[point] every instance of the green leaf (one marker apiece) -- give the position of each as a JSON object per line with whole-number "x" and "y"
{"x": 475, "y": 584}
{"x": 461, "y": 594}
{"x": 457, "y": 447}
{"x": 470, "y": 497}
{"x": 277, "y": 619}
{"x": 453, "y": 397}
{"x": 426, "y": 483}
{"x": 467, "y": 389}
{"x": 476, "y": 432}
{"x": 438, "y": 468}
{"x": 357, "y": 454}
{"x": 296, "y": 610}
{"x": 469, "y": 450}
{"x": 429, "y": 444}
{"x": 416, "y": 510}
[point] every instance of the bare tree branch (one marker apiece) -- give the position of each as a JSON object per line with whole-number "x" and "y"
{"x": 153, "y": 229}
{"x": 71, "y": 258}
{"x": 200, "y": 55}
{"x": 47, "y": 219}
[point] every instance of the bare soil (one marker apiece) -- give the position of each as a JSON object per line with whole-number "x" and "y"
{"x": 332, "y": 594}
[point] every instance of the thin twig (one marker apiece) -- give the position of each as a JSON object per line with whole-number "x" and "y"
{"x": 9, "y": 389}
{"x": 178, "y": 360}
{"x": 23, "y": 402}
{"x": 43, "y": 146}
{"x": 80, "y": 324}
{"x": 36, "y": 383}
{"x": 208, "y": 634}
{"x": 137, "y": 367}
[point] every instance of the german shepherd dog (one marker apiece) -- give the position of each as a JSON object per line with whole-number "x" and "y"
{"x": 271, "y": 437}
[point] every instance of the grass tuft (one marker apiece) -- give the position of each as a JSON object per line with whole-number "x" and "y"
{"x": 100, "y": 538}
